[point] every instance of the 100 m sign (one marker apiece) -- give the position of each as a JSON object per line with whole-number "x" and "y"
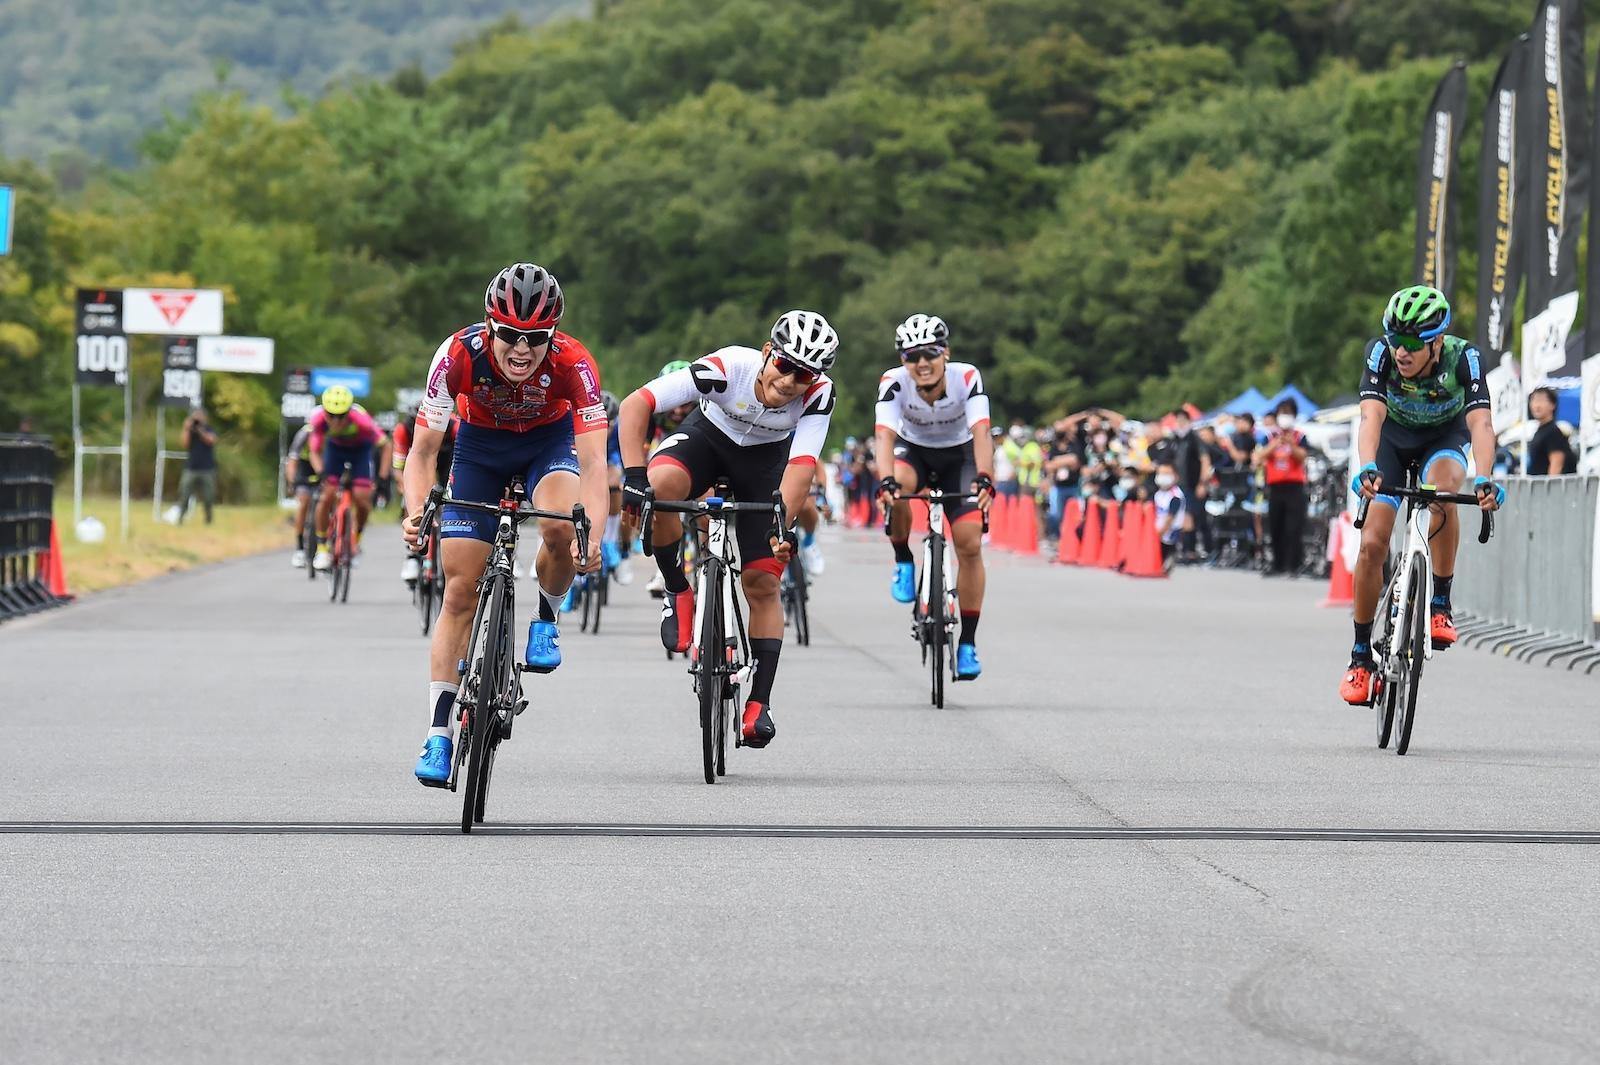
{"x": 102, "y": 360}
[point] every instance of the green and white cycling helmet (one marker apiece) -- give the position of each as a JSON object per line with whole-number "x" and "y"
{"x": 1419, "y": 313}
{"x": 673, "y": 367}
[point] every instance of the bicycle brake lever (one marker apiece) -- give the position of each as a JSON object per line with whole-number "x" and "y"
{"x": 581, "y": 530}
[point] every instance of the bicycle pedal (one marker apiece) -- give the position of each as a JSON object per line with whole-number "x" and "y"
{"x": 522, "y": 704}
{"x": 434, "y": 783}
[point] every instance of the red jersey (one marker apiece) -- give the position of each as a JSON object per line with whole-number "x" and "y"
{"x": 566, "y": 385}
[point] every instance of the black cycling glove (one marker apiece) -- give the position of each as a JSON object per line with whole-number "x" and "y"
{"x": 635, "y": 485}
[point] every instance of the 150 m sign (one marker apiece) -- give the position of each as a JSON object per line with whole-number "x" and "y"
{"x": 102, "y": 360}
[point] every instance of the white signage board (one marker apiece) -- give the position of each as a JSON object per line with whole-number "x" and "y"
{"x": 1505, "y": 394}
{"x": 1589, "y": 425}
{"x": 172, "y": 311}
{"x": 236, "y": 354}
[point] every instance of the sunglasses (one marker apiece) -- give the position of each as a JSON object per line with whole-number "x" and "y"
{"x": 1401, "y": 340}
{"x": 922, "y": 354}
{"x": 513, "y": 337}
{"x": 787, "y": 367}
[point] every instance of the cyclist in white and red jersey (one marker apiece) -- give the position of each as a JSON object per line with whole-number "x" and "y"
{"x": 529, "y": 402}
{"x": 761, "y": 420}
{"x": 403, "y": 434}
{"x": 342, "y": 431}
{"x": 933, "y": 423}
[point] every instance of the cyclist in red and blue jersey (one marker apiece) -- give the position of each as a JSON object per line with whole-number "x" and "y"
{"x": 411, "y": 568}
{"x": 529, "y": 402}
{"x": 342, "y": 431}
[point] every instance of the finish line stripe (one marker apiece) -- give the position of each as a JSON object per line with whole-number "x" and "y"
{"x": 1039, "y": 832}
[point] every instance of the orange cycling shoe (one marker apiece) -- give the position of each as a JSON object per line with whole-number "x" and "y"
{"x": 1357, "y": 687}
{"x": 1442, "y": 628}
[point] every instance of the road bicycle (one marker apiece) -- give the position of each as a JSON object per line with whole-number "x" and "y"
{"x": 719, "y": 654}
{"x": 490, "y": 696}
{"x": 342, "y": 538}
{"x": 593, "y": 594}
{"x": 308, "y": 531}
{"x": 935, "y": 615}
{"x": 428, "y": 592}
{"x": 796, "y": 594}
{"x": 1401, "y": 640}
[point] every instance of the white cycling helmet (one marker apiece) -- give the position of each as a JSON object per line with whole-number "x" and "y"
{"x": 805, "y": 337}
{"x": 921, "y": 331}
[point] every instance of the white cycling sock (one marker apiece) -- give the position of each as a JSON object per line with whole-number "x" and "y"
{"x": 553, "y": 602}
{"x": 613, "y": 527}
{"x": 441, "y": 700}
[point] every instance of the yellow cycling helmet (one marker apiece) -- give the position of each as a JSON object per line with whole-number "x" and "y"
{"x": 338, "y": 399}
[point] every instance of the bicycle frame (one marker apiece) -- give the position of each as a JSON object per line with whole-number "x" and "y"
{"x": 926, "y": 614}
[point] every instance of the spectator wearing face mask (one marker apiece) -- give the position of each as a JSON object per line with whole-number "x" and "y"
{"x": 1171, "y": 507}
{"x": 1283, "y": 458}
{"x": 1192, "y": 464}
{"x": 1063, "y": 470}
{"x": 1549, "y": 453}
{"x": 1005, "y": 468}
{"x": 1241, "y": 443}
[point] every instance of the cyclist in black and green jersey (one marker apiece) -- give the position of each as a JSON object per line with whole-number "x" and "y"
{"x": 1423, "y": 402}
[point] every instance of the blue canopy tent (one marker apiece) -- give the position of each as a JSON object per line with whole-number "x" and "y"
{"x": 1250, "y": 401}
{"x": 1303, "y": 401}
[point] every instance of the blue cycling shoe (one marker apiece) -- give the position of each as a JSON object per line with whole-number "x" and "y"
{"x": 433, "y": 765}
{"x": 610, "y": 554}
{"x": 904, "y": 588}
{"x": 544, "y": 646}
{"x": 569, "y": 602}
{"x": 967, "y": 665}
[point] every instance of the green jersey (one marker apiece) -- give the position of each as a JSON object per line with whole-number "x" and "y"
{"x": 1453, "y": 386}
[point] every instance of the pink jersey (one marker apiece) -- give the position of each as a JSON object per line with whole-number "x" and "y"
{"x": 357, "y": 431}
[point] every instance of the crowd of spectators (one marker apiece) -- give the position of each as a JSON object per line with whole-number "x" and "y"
{"x": 1174, "y": 461}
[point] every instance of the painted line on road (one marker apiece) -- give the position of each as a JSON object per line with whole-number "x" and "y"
{"x": 1037, "y": 832}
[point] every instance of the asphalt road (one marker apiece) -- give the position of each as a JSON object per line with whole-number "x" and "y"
{"x": 1149, "y": 833}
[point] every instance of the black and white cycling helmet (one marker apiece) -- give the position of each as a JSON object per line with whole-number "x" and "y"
{"x": 921, "y": 331}
{"x": 805, "y": 337}
{"x": 609, "y": 402}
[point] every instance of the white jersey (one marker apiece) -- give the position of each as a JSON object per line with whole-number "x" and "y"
{"x": 947, "y": 422}
{"x": 724, "y": 384}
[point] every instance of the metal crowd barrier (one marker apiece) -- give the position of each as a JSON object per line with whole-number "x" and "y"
{"x": 1530, "y": 591}
{"x": 27, "y": 489}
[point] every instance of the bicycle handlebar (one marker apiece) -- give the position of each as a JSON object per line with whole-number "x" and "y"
{"x": 712, "y": 506}
{"x": 1428, "y": 495}
{"x": 518, "y": 514}
{"x": 927, "y": 495}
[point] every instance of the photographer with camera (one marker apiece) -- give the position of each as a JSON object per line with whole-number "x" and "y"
{"x": 1283, "y": 458}
{"x": 200, "y": 468}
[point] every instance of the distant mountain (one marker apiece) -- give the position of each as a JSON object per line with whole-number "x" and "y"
{"x": 90, "y": 84}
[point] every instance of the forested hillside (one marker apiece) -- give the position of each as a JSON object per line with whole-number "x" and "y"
{"x": 81, "y": 82}
{"x": 1129, "y": 203}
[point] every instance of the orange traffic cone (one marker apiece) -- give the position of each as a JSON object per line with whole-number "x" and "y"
{"x": 999, "y": 523}
{"x": 1094, "y": 516}
{"x": 1132, "y": 530}
{"x": 1341, "y": 582}
{"x": 1067, "y": 545}
{"x": 1027, "y": 527}
{"x": 1111, "y": 538}
{"x": 52, "y": 570}
{"x": 1144, "y": 560}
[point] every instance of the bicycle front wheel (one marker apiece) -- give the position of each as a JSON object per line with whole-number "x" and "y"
{"x": 495, "y": 649}
{"x": 934, "y": 623}
{"x": 1414, "y": 635}
{"x": 798, "y": 595}
{"x": 708, "y": 674}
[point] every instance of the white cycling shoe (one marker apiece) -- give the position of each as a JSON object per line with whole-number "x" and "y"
{"x": 410, "y": 569}
{"x": 323, "y": 561}
{"x": 811, "y": 559}
{"x": 298, "y": 559}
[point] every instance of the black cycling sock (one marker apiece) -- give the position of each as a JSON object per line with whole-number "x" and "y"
{"x": 548, "y": 608}
{"x": 969, "y": 627}
{"x": 669, "y": 560}
{"x": 902, "y": 550}
{"x": 765, "y": 654}
{"x": 1363, "y": 645}
{"x": 1441, "y": 590}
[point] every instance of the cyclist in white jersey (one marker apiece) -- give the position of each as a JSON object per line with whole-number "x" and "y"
{"x": 761, "y": 421}
{"x": 933, "y": 424}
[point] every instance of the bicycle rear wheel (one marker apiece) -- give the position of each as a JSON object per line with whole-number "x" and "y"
{"x": 308, "y": 540}
{"x": 1387, "y": 693}
{"x": 335, "y": 569}
{"x": 934, "y": 623}
{"x": 485, "y": 721}
{"x": 708, "y": 676}
{"x": 348, "y": 553}
{"x": 798, "y": 594}
{"x": 1415, "y": 636}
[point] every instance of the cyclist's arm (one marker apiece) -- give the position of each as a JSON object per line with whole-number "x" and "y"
{"x": 886, "y": 421}
{"x": 633, "y": 426}
{"x": 1480, "y": 423}
{"x": 1374, "y": 412}
{"x": 417, "y": 477}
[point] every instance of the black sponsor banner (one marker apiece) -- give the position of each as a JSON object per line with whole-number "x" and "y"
{"x": 180, "y": 380}
{"x": 1558, "y": 130}
{"x": 1502, "y": 204}
{"x": 1436, "y": 179}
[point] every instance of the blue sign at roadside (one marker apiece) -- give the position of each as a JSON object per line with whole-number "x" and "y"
{"x": 7, "y": 200}
{"x": 358, "y": 379}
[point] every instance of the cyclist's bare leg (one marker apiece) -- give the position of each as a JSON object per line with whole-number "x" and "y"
{"x": 766, "y": 610}
{"x": 809, "y": 517}
{"x": 557, "y": 491}
{"x": 671, "y": 484}
{"x": 325, "y": 510}
{"x": 302, "y": 510}
{"x": 970, "y": 578}
{"x": 900, "y": 513}
{"x": 363, "y": 499}
{"x": 1369, "y": 563}
{"x": 463, "y": 559}
{"x": 1445, "y": 539}
{"x": 614, "y": 482}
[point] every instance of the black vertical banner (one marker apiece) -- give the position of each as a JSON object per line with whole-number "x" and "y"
{"x": 1436, "y": 180}
{"x": 1502, "y": 205}
{"x": 1558, "y": 128}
